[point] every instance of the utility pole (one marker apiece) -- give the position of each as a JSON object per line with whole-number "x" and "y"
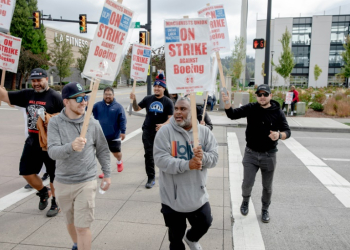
{"x": 268, "y": 42}
{"x": 148, "y": 27}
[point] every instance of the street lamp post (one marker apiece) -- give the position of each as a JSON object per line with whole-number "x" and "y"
{"x": 271, "y": 65}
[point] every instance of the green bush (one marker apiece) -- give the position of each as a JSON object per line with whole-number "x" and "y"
{"x": 317, "y": 106}
{"x": 305, "y": 96}
{"x": 278, "y": 99}
{"x": 319, "y": 97}
{"x": 252, "y": 97}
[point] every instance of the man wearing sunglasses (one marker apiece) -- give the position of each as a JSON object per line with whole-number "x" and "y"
{"x": 76, "y": 163}
{"x": 266, "y": 124}
{"x": 41, "y": 96}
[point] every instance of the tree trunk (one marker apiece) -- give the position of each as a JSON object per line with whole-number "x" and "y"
{"x": 13, "y": 87}
{"x": 20, "y": 82}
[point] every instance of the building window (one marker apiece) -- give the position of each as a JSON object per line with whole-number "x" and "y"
{"x": 339, "y": 32}
{"x": 301, "y": 34}
{"x": 301, "y": 56}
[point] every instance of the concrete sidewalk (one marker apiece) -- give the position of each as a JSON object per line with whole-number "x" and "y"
{"x": 311, "y": 124}
{"x": 127, "y": 216}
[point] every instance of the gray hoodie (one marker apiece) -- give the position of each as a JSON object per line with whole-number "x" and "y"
{"x": 71, "y": 166}
{"x": 182, "y": 189}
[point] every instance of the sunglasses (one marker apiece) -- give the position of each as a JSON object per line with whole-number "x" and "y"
{"x": 79, "y": 99}
{"x": 263, "y": 94}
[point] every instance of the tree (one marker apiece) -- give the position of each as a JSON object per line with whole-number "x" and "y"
{"x": 263, "y": 70}
{"x": 62, "y": 56}
{"x": 84, "y": 52}
{"x": 317, "y": 72}
{"x": 345, "y": 70}
{"x": 238, "y": 55}
{"x": 286, "y": 61}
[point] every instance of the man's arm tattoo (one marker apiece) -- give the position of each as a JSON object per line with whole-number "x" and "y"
{"x": 135, "y": 106}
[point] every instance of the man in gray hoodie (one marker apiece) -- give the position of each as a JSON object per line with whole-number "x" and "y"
{"x": 183, "y": 175}
{"x": 76, "y": 163}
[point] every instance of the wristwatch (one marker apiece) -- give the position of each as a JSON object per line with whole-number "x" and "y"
{"x": 280, "y": 137}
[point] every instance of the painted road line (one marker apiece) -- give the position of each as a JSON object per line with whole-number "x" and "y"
{"x": 334, "y": 159}
{"x": 22, "y": 193}
{"x": 323, "y": 138}
{"x": 17, "y": 196}
{"x": 246, "y": 231}
{"x": 334, "y": 182}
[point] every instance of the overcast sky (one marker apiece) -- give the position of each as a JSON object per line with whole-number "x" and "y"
{"x": 165, "y": 9}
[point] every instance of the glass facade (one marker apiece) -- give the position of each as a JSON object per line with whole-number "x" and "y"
{"x": 339, "y": 31}
{"x": 301, "y": 42}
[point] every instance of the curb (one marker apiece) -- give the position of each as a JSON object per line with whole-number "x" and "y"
{"x": 307, "y": 129}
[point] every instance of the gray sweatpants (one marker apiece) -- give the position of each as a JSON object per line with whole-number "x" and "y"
{"x": 252, "y": 161}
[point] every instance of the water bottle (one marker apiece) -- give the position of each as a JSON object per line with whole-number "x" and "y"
{"x": 103, "y": 186}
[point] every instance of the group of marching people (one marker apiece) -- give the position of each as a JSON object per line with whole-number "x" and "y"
{"x": 70, "y": 158}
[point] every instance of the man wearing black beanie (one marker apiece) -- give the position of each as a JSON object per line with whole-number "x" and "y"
{"x": 159, "y": 109}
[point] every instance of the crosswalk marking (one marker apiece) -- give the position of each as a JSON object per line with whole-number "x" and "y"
{"x": 246, "y": 231}
{"x": 334, "y": 182}
{"x": 335, "y": 159}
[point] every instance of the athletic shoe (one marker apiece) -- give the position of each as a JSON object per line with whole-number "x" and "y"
{"x": 120, "y": 167}
{"x": 54, "y": 210}
{"x": 150, "y": 183}
{"x": 192, "y": 244}
{"x": 101, "y": 176}
{"x": 43, "y": 199}
{"x": 28, "y": 186}
{"x": 45, "y": 176}
{"x": 74, "y": 247}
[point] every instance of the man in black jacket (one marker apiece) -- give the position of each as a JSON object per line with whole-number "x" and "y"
{"x": 266, "y": 124}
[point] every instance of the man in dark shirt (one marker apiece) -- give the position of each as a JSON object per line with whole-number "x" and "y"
{"x": 266, "y": 124}
{"x": 159, "y": 109}
{"x": 33, "y": 157}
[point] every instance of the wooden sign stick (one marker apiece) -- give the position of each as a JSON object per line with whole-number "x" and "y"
{"x": 90, "y": 106}
{"x": 205, "y": 106}
{"x": 194, "y": 120}
{"x": 222, "y": 78}
{"x": 3, "y": 80}
{"x": 91, "y": 84}
{"x": 131, "y": 100}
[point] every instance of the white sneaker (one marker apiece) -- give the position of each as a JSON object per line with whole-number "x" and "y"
{"x": 192, "y": 244}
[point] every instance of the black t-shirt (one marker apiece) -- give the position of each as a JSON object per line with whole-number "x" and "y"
{"x": 49, "y": 100}
{"x": 158, "y": 111}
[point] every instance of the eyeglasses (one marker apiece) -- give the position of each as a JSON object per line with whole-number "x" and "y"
{"x": 79, "y": 99}
{"x": 263, "y": 94}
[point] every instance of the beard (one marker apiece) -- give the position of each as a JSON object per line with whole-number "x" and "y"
{"x": 186, "y": 122}
{"x": 43, "y": 88}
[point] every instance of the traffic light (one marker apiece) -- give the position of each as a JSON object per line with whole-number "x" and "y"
{"x": 258, "y": 43}
{"x": 142, "y": 37}
{"x": 83, "y": 24}
{"x": 36, "y": 20}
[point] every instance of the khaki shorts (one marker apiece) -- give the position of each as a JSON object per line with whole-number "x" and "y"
{"x": 77, "y": 202}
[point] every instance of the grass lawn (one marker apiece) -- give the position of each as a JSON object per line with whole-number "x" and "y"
{"x": 347, "y": 124}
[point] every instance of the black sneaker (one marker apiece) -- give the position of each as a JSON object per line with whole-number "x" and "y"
{"x": 265, "y": 217}
{"x": 43, "y": 199}
{"x": 45, "y": 176}
{"x": 245, "y": 208}
{"x": 54, "y": 210}
{"x": 28, "y": 186}
{"x": 150, "y": 183}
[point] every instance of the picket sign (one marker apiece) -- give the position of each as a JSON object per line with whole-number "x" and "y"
{"x": 95, "y": 83}
{"x": 288, "y": 100}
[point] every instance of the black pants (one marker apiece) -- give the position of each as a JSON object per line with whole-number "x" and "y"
{"x": 200, "y": 221}
{"x": 148, "y": 141}
{"x": 292, "y": 105}
{"x": 252, "y": 161}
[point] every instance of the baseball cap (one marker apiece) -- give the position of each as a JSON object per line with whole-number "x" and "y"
{"x": 38, "y": 73}
{"x": 72, "y": 89}
{"x": 263, "y": 87}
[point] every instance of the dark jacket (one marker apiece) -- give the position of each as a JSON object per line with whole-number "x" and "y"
{"x": 206, "y": 117}
{"x": 111, "y": 117}
{"x": 260, "y": 122}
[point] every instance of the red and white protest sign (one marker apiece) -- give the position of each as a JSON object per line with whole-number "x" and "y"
{"x": 6, "y": 12}
{"x": 10, "y": 48}
{"x": 106, "y": 49}
{"x": 289, "y": 98}
{"x": 187, "y": 55}
{"x": 141, "y": 55}
{"x": 218, "y": 27}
